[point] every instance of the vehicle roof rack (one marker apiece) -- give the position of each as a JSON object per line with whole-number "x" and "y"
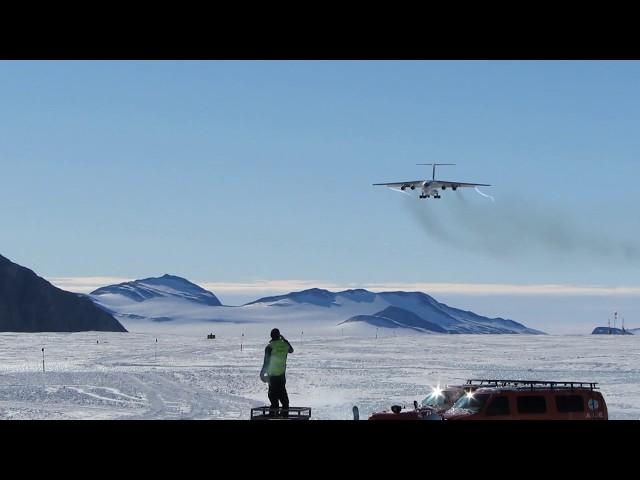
{"x": 529, "y": 383}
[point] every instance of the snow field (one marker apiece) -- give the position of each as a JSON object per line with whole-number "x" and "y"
{"x": 190, "y": 377}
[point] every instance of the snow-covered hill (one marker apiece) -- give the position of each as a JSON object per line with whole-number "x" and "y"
{"x": 167, "y": 286}
{"x": 176, "y": 301}
{"x": 161, "y": 299}
{"x": 612, "y": 331}
{"x": 414, "y": 310}
{"x": 394, "y": 317}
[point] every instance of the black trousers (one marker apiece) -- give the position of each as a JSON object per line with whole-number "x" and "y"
{"x": 278, "y": 391}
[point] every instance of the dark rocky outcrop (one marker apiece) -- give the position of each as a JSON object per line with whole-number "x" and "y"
{"x": 28, "y": 303}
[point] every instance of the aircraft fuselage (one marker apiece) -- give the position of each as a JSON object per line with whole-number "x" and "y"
{"x": 430, "y": 188}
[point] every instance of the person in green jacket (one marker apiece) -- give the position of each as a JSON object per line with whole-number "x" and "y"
{"x": 274, "y": 368}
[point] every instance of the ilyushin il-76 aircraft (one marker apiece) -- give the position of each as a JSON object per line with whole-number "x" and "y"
{"x": 430, "y": 187}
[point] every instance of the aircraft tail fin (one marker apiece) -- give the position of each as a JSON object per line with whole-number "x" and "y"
{"x": 433, "y": 176}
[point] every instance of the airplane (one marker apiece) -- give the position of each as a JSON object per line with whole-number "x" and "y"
{"x": 430, "y": 187}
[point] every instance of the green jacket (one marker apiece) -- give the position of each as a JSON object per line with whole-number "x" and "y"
{"x": 275, "y": 357}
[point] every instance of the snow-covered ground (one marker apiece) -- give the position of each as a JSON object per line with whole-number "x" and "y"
{"x": 187, "y": 376}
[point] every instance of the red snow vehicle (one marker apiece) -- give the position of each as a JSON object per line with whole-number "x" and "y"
{"x": 418, "y": 413}
{"x": 529, "y": 400}
{"x": 437, "y": 402}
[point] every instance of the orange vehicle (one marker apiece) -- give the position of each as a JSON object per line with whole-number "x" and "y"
{"x": 396, "y": 413}
{"x": 529, "y": 400}
{"x": 437, "y": 402}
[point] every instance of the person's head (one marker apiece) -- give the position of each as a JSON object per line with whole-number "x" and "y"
{"x": 275, "y": 334}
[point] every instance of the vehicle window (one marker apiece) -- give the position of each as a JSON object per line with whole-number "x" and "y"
{"x": 499, "y": 406}
{"x": 570, "y": 403}
{"x": 471, "y": 403}
{"x": 532, "y": 404}
{"x": 434, "y": 401}
{"x": 445, "y": 399}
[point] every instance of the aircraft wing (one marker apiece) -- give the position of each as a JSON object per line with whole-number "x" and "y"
{"x": 415, "y": 183}
{"x": 460, "y": 184}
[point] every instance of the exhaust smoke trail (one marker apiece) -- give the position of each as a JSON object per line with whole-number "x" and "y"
{"x": 516, "y": 228}
{"x": 426, "y": 217}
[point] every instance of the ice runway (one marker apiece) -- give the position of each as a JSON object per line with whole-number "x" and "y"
{"x": 126, "y": 376}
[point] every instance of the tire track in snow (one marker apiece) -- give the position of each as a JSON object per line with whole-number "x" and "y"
{"x": 169, "y": 398}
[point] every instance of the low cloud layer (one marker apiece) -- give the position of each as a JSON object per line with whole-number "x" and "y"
{"x": 277, "y": 287}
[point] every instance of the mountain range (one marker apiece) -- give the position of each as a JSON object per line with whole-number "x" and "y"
{"x": 176, "y": 300}
{"x": 29, "y": 303}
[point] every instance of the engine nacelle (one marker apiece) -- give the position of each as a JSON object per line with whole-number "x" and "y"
{"x": 454, "y": 187}
{"x": 413, "y": 187}
{"x": 444, "y": 187}
{"x": 403, "y": 187}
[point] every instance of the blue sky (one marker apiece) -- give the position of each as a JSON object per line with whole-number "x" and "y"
{"x": 245, "y": 171}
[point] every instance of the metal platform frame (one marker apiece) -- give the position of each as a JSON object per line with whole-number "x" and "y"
{"x": 530, "y": 383}
{"x": 291, "y": 413}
